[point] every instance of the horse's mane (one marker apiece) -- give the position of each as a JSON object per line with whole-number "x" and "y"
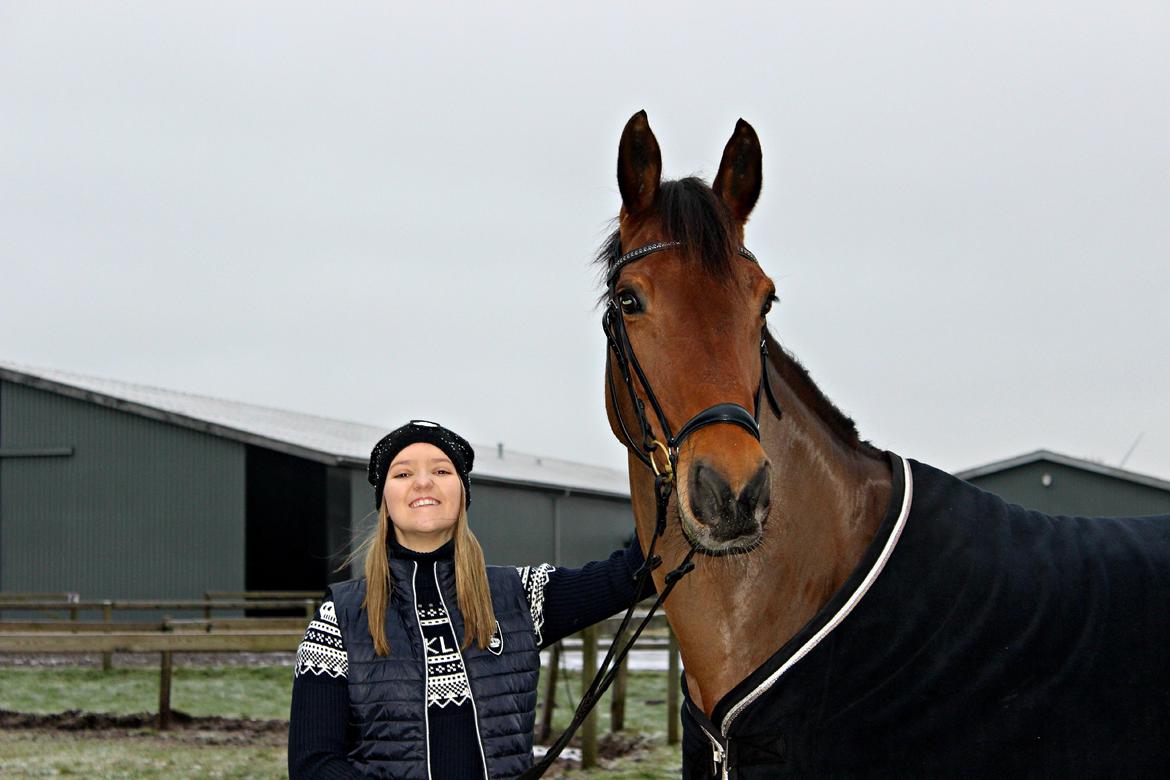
{"x": 797, "y": 377}
{"x": 690, "y": 212}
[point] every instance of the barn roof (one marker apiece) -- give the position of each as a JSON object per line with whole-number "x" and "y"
{"x": 321, "y": 439}
{"x": 1063, "y": 460}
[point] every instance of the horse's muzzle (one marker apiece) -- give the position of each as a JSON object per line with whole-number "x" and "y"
{"x": 729, "y": 515}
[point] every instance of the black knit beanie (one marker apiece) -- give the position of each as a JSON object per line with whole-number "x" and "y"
{"x": 452, "y": 444}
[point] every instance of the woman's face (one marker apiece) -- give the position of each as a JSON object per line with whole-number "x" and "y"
{"x": 423, "y": 494}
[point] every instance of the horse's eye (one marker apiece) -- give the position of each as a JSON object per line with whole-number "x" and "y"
{"x": 629, "y": 302}
{"x": 768, "y": 305}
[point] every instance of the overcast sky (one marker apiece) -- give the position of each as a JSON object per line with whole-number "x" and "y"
{"x": 387, "y": 210}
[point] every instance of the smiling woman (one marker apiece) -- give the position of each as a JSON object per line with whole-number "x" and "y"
{"x": 426, "y": 667}
{"x": 424, "y": 494}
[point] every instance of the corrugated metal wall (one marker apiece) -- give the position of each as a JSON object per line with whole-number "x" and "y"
{"x": 142, "y": 509}
{"x": 146, "y": 509}
{"x": 515, "y": 526}
{"x": 592, "y": 527}
{"x": 362, "y": 519}
{"x": 1074, "y": 491}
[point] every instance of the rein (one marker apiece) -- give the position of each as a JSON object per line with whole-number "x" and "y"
{"x": 622, "y": 352}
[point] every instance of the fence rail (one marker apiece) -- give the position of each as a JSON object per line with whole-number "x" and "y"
{"x": 192, "y": 605}
{"x": 251, "y": 601}
{"x": 113, "y": 639}
{"x": 215, "y": 595}
{"x": 276, "y": 634}
{"x": 117, "y": 641}
{"x": 24, "y": 596}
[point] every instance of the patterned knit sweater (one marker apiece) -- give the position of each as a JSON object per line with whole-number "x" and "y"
{"x": 563, "y": 601}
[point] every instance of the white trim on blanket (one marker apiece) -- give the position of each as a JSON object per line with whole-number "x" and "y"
{"x": 846, "y": 608}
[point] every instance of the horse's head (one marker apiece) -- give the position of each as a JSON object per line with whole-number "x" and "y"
{"x": 691, "y": 316}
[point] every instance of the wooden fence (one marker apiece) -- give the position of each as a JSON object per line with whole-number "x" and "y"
{"x": 589, "y": 642}
{"x": 260, "y": 634}
{"x": 60, "y": 604}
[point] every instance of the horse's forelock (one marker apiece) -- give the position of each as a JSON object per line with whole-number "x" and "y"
{"x": 687, "y": 211}
{"x": 690, "y": 212}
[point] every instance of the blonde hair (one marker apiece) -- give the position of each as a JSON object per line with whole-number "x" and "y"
{"x": 471, "y": 582}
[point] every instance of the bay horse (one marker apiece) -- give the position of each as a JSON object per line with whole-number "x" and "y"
{"x": 851, "y": 612}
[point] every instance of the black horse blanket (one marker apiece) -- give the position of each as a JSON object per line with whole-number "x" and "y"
{"x": 975, "y": 639}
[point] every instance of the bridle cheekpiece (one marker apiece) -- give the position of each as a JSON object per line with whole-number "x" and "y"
{"x": 622, "y": 352}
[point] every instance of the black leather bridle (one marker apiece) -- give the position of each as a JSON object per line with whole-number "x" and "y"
{"x": 622, "y": 352}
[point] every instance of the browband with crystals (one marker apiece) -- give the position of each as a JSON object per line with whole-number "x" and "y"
{"x": 649, "y": 249}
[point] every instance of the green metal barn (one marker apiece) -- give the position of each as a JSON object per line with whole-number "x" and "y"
{"x": 119, "y": 491}
{"x": 1061, "y": 485}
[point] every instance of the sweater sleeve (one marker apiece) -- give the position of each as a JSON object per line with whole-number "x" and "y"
{"x": 317, "y": 738}
{"x": 564, "y": 601}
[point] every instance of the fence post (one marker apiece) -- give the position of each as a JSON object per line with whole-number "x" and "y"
{"x": 550, "y": 695}
{"x": 617, "y": 702}
{"x": 107, "y": 617}
{"x": 588, "y": 670}
{"x": 164, "y": 693}
{"x": 672, "y": 688}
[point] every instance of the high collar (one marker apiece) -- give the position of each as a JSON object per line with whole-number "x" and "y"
{"x": 445, "y": 552}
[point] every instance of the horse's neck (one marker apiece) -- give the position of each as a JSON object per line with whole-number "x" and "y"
{"x": 732, "y": 613}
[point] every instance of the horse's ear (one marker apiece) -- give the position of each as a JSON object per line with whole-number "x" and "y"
{"x": 639, "y": 168}
{"x": 739, "y": 179}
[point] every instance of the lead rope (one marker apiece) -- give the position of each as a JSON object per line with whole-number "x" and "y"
{"x": 607, "y": 672}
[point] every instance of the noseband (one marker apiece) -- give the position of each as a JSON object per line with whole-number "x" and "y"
{"x": 622, "y": 351}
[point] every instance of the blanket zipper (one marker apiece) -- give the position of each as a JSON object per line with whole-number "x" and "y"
{"x": 719, "y": 766}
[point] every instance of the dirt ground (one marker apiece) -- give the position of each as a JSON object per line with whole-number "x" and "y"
{"x": 215, "y": 731}
{"x": 184, "y": 728}
{"x": 229, "y": 732}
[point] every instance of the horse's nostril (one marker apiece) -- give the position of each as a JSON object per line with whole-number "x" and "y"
{"x": 715, "y": 505}
{"x": 756, "y": 496}
{"x": 710, "y": 495}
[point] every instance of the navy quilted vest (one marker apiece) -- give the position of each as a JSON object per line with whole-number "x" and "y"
{"x": 387, "y": 694}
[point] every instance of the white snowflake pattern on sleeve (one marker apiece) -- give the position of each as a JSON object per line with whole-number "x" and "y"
{"x": 534, "y": 579}
{"x": 322, "y": 650}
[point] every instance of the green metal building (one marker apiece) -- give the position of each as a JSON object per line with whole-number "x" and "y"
{"x": 1060, "y": 485}
{"x": 120, "y": 491}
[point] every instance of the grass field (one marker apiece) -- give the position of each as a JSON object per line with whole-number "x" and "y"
{"x": 261, "y": 694}
{"x": 236, "y": 692}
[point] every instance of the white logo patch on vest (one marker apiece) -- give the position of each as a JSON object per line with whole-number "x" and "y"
{"x": 496, "y": 644}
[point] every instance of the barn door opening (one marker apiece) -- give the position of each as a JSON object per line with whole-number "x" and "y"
{"x": 287, "y": 523}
